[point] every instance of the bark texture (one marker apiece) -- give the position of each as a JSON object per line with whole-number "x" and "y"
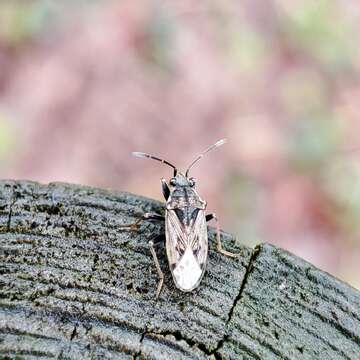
{"x": 75, "y": 286}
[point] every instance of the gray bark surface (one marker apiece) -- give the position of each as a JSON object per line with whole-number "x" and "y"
{"x": 75, "y": 286}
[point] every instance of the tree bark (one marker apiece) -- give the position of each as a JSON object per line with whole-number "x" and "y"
{"x": 73, "y": 285}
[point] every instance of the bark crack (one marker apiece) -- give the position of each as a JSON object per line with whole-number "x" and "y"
{"x": 74, "y": 333}
{"x": 12, "y": 202}
{"x": 192, "y": 343}
{"x": 178, "y": 337}
{"x": 94, "y": 267}
{"x": 138, "y": 353}
{"x": 248, "y": 271}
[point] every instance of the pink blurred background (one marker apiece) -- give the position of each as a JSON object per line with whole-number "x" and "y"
{"x": 83, "y": 84}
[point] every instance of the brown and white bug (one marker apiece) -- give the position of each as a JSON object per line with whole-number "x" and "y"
{"x": 185, "y": 227}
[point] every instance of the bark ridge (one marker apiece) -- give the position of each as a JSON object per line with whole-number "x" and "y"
{"x": 75, "y": 286}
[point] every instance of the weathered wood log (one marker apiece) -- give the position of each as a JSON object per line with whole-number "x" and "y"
{"x": 73, "y": 285}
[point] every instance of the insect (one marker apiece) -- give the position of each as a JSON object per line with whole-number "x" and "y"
{"x": 186, "y": 235}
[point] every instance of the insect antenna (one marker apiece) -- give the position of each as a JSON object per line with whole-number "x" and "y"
{"x": 148, "y": 156}
{"x": 213, "y": 146}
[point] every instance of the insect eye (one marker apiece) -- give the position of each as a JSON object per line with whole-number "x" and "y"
{"x": 172, "y": 181}
{"x": 192, "y": 182}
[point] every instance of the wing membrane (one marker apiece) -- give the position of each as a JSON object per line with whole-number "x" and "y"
{"x": 186, "y": 235}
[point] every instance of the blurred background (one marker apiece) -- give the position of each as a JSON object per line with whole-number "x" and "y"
{"x": 82, "y": 84}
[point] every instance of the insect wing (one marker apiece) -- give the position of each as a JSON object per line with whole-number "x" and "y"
{"x": 187, "y": 247}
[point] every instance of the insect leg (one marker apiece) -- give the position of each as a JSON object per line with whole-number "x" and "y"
{"x": 153, "y": 242}
{"x": 218, "y": 239}
{"x": 146, "y": 216}
{"x": 165, "y": 189}
{"x": 158, "y": 239}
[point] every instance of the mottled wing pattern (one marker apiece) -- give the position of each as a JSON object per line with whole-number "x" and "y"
{"x": 186, "y": 245}
{"x": 175, "y": 237}
{"x": 199, "y": 238}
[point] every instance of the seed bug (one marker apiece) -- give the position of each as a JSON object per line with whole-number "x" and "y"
{"x": 186, "y": 237}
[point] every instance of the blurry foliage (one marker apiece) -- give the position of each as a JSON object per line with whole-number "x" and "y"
{"x": 313, "y": 140}
{"x": 21, "y": 21}
{"x": 303, "y": 93}
{"x": 318, "y": 27}
{"x": 7, "y": 139}
{"x": 160, "y": 31}
{"x": 341, "y": 182}
{"x": 280, "y": 79}
{"x": 243, "y": 202}
{"x": 247, "y": 50}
